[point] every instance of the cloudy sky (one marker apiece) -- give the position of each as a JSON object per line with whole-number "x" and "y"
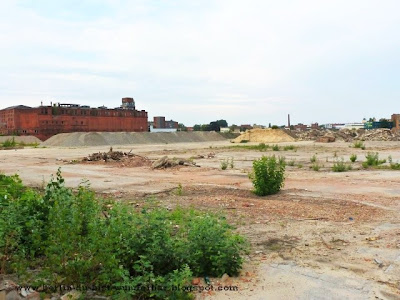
{"x": 247, "y": 62}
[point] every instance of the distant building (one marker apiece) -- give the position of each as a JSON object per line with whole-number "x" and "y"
{"x": 224, "y": 129}
{"x": 300, "y": 127}
{"x": 245, "y": 127}
{"x": 314, "y": 126}
{"x": 354, "y": 125}
{"x": 160, "y": 125}
{"x": 46, "y": 121}
{"x": 396, "y": 122}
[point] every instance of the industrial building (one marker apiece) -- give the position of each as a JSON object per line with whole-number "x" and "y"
{"x": 396, "y": 122}
{"x": 46, "y": 121}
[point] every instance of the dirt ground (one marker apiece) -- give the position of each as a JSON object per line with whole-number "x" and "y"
{"x": 326, "y": 235}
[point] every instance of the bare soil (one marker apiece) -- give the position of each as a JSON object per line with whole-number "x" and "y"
{"x": 326, "y": 235}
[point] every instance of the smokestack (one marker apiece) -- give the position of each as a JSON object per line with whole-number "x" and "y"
{"x": 288, "y": 120}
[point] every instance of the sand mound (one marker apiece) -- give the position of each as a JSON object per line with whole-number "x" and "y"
{"x": 264, "y": 136}
{"x": 79, "y": 139}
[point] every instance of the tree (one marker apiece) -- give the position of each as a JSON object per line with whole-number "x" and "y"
{"x": 222, "y": 123}
{"x": 182, "y": 127}
{"x": 214, "y": 126}
{"x": 197, "y": 127}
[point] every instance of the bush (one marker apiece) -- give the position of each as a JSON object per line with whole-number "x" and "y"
{"x": 340, "y": 166}
{"x": 224, "y": 164}
{"x": 313, "y": 158}
{"x": 275, "y": 147}
{"x": 315, "y": 166}
{"x": 75, "y": 238}
{"x": 372, "y": 160}
{"x": 359, "y": 144}
{"x": 289, "y": 147}
{"x": 268, "y": 175}
{"x": 353, "y": 157}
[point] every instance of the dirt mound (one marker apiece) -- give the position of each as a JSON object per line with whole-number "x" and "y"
{"x": 264, "y": 136}
{"x": 79, "y": 139}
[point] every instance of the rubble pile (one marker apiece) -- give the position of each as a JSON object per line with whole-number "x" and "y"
{"x": 347, "y": 135}
{"x": 165, "y": 162}
{"x": 126, "y": 159}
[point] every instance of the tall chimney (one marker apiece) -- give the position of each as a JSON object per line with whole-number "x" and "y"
{"x": 288, "y": 120}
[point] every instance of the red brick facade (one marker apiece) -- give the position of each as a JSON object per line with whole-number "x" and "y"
{"x": 46, "y": 121}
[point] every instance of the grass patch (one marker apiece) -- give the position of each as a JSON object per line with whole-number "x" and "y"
{"x": 289, "y": 147}
{"x": 275, "y": 147}
{"x": 359, "y": 145}
{"x": 372, "y": 160}
{"x": 353, "y": 158}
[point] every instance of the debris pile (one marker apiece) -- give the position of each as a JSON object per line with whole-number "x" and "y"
{"x": 165, "y": 162}
{"x": 264, "y": 136}
{"x": 347, "y": 135}
{"x": 126, "y": 159}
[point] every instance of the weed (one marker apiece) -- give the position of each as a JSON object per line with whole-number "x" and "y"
{"x": 224, "y": 164}
{"x": 9, "y": 143}
{"x": 291, "y": 163}
{"x": 72, "y": 237}
{"x": 268, "y": 175}
{"x": 359, "y": 144}
{"x": 372, "y": 160}
{"x": 315, "y": 166}
{"x": 289, "y": 147}
{"x": 313, "y": 158}
{"x": 244, "y": 141}
{"x": 299, "y": 166}
{"x": 340, "y": 166}
{"x": 231, "y": 163}
{"x": 353, "y": 157}
{"x": 179, "y": 190}
{"x": 275, "y": 147}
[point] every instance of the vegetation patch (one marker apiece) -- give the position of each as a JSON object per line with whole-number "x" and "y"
{"x": 268, "y": 175}
{"x": 67, "y": 237}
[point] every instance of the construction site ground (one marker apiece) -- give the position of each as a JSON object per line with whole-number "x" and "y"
{"x": 326, "y": 235}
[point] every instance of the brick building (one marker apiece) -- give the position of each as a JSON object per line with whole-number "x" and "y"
{"x": 396, "y": 122}
{"x": 46, "y": 121}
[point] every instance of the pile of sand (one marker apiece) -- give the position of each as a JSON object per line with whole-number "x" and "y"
{"x": 79, "y": 139}
{"x": 264, "y": 136}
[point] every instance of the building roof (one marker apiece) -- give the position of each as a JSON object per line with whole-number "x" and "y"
{"x": 18, "y": 107}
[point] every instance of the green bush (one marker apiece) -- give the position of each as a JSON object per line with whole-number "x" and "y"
{"x": 316, "y": 167}
{"x": 224, "y": 164}
{"x": 340, "y": 166}
{"x": 313, "y": 158}
{"x": 353, "y": 157}
{"x": 359, "y": 144}
{"x": 72, "y": 237}
{"x": 275, "y": 147}
{"x": 289, "y": 147}
{"x": 268, "y": 175}
{"x": 373, "y": 160}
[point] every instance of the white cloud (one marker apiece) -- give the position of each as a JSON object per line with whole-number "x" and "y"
{"x": 239, "y": 57}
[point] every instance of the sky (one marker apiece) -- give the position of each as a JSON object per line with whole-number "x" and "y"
{"x": 248, "y": 62}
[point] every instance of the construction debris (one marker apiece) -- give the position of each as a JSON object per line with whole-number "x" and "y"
{"x": 126, "y": 159}
{"x": 347, "y": 135}
{"x": 165, "y": 162}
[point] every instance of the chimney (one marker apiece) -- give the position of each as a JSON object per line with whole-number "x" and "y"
{"x": 288, "y": 120}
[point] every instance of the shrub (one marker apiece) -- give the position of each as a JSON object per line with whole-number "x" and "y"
{"x": 72, "y": 237}
{"x": 353, "y": 157}
{"x": 340, "y": 166}
{"x": 372, "y": 160}
{"x": 275, "y": 127}
{"x": 268, "y": 175}
{"x": 315, "y": 166}
{"x": 275, "y": 147}
{"x": 224, "y": 164}
{"x": 359, "y": 144}
{"x": 395, "y": 166}
{"x": 289, "y": 147}
{"x": 313, "y": 158}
